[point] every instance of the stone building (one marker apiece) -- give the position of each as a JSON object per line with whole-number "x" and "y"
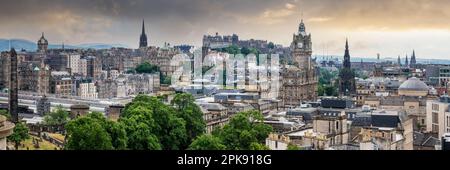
{"x": 113, "y": 112}
{"x": 299, "y": 81}
{"x": 60, "y": 83}
{"x": 43, "y": 106}
{"x": 438, "y": 116}
{"x": 215, "y": 115}
{"x": 6, "y": 129}
{"x": 78, "y": 110}
{"x": 34, "y": 77}
{"x": 87, "y": 90}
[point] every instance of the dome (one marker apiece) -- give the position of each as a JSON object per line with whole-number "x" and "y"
{"x": 413, "y": 87}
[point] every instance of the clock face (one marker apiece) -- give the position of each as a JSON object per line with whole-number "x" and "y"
{"x": 300, "y": 45}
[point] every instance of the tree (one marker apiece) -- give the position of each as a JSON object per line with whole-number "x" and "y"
{"x": 146, "y": 67}
{"x": 245, "y": 51}
{"x": 57, "y": 117}
{"x": 191, "y": 114}
{"x": 243, "y": 130}
{"x": 293, "y": 147}
{"x": 6, "y": 114}
{"x": 87, "y": 133}
{"x": 20, "y": 134}
{"x": 233, "y": 49}
{"x": 148, "y": 118}
{"x": 207, "y": 142}
{"x": 115, "y": 130}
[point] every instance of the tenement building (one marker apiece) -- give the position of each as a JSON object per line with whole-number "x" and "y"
{"x": 299, "y": 81}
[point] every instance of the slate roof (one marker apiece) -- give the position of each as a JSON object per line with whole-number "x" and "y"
{"x": 391, "y": 121}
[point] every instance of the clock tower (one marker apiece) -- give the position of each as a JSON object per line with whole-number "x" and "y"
{"x": 301, "y": 48}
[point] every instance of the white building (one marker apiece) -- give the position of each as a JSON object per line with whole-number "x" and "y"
{"x": 438, "y": 116}
{"x": 73, "y": 62}
{"x": 83, "y": 67}
{"x": 87, "y": 90}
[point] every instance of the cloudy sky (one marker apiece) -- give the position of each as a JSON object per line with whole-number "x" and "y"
{"x": 388, "y": 27}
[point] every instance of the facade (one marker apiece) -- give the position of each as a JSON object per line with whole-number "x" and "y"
{"x": 43, "y": 106}
{"x": 61, "y": 83}
{"x": 215, "y": 115}
{"x": 438, "y": 116}
{"x": 299, "y": 81}
{"x": 142, "y": 84}
{"x": 87, "y": 91}
{"x": 5, "y": 70}
{"x": 93, "y": 67}
{"x": 347, "y": 85}
{"x": 74, "y": 64}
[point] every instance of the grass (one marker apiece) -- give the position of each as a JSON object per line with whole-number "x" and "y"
{"x": 44, "y": 145}
{"x": 56, "y": 136}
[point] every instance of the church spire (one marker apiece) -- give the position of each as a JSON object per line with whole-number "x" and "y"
{"x": 406, "y": 61}
{"x": 347, "y": 55}
{"x": 143, "y": 38}
{"x": 143, "y": 27}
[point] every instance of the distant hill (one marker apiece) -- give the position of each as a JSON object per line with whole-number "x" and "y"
{"x": 31, "y": 46}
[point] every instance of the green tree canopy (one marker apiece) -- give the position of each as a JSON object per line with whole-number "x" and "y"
{"x": 19, "y": 135}
{"x": 245, "y": 131}
{"x": 95, "y": 132}
{"x": 191, "y": 114}
{"x": 161, "y": 120}
{"x": 86, "y": 133}
{"x": 57, "y": 117}
{"x": 207, "y": 142}
{"x": 146, "y": 67}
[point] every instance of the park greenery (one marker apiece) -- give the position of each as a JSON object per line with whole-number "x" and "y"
{"x": 234, "y": 49}
{"x": 20, "y": 134}
{"x": 57, "y": 117}
{"x": 147, "y": 68}
{"x": 245, "y": 131}
{"x": 147, "y": 123}
{"x": 328, "y": 83}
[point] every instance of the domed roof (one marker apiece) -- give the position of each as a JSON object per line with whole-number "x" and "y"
{"x": 413, "y": 84}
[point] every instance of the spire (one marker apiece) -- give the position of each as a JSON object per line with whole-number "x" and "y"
{"x": 406, "y": 61}
{"x": 302, "y": 28}
{"x": 347, "y": 55}
{"x": 143, "y": 38}
{"x": 143, "y": 27}
{"x": 42, "y": 34}
{"x": 346, "y": 43}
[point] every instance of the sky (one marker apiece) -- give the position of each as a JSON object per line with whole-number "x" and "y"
{"x": 387, "y": 27}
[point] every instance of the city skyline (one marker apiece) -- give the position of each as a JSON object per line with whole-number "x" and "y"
{"x": 401, "y": 27}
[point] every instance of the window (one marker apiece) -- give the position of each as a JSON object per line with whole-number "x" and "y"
{"x": 434, "y": 117}
{"x": 435, "y": 107}
{"x": 337, "y": 125}
{"x": 435, "y": 128}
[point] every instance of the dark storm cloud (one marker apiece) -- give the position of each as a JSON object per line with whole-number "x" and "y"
{"x": 185, "y": 21}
